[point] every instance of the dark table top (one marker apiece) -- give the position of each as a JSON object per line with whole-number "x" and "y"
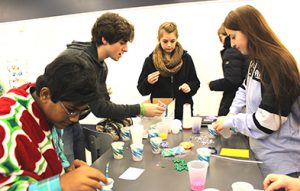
{"x": 160, "y": 174}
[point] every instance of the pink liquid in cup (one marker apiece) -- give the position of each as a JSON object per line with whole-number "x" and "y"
{"x": 197, "y": 185}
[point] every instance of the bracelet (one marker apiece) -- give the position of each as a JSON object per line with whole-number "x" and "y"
{"x": 143, "y": 110}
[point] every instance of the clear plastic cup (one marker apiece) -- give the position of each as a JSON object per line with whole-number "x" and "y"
{"x": 226, "y": 133}
{"x": 163, "y": 130}
{"x": 196, "y": 126}
{"x": 197, "y": 174}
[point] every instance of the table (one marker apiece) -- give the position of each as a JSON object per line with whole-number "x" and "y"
{"x": 160, "y": 173}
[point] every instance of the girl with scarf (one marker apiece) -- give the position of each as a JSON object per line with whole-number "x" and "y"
{"x": 169, "y": 71}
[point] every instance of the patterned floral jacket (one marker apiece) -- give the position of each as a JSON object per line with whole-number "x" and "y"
{"x": 27, "y": 153}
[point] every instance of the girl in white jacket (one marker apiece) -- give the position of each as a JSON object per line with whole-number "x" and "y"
{"x": 270, "y": 93}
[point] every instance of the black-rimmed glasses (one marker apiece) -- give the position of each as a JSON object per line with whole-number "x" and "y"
{"x": 75, "y": 113}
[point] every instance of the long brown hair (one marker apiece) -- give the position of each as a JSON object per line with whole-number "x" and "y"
{"x": 265, "y": 48}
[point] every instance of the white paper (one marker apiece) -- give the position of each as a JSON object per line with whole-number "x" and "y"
{"x": 131, "y": 173}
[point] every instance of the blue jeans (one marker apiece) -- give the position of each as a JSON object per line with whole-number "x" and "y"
{"x": 74, "y": 143}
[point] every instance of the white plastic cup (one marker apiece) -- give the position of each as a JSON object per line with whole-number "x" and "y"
{"x": 204, "y": 154}
{"x": 197, "y": 174}
{"x": 211, "y": 131}
{"x": 155, "y": 144}
{"x": 176, "y": 126}
{"x": 137, "y": 151}
{"x": 137, "y": 131}
{"x": 118, "y": 149}
{"x": 187, "y": 116}
{"x": 153, "y": 132}
{"x": 242, "y": 186}
{"x": 109, "y": 186}
{"x": 125, "y": 133}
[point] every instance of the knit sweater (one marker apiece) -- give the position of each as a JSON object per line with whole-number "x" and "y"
{"x": 27, "y": 153}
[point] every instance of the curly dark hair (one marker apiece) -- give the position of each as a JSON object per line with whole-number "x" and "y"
{"x": 113, "y": 28}
{"x": 69, "y": 78}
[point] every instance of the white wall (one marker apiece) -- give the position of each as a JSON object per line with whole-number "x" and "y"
{"x": 35, "y": 43}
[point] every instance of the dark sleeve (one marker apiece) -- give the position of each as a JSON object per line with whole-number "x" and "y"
{"x": 143, "y": 86}
{"x": 193, "y": 80}
{"x": 234, "y": 64}
{"x": 103, "y": 108}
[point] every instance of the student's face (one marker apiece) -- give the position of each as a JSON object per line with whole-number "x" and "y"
{"x": 238, "y": 40}
{"x": 116, "y": 50}
{"x": 59, "y": 113}
{"x": 168, "y": 41}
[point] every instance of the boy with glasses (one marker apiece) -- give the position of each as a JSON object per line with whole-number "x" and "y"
{"x": 29, "y": 150}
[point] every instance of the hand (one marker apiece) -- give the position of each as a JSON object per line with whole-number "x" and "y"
{"x": 153, "y": 77}
{"x": 83, "y": 178}
{"x": 219, "y": 124}
{"x": 185, "y": 88}
{"x": 152, "y": 110}
{"x": 276, "y": 181}
{"x": 76, "y": 164}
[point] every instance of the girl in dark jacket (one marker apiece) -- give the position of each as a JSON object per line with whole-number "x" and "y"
{"x": 235, "y": 67}
{"x": 169, "y": 71}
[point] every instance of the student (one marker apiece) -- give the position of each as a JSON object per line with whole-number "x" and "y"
{"x": 275, "y": 182}
{"x": 235, "y": 67}
{"x": 30, "y": 157}
{"x": 270, "y": 93}
{"x": 110, "y": 35}
{"x": 169, "y": 71}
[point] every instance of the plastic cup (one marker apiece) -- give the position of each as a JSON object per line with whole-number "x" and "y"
{"x": 109, "y": 186}
{"x": 118, "y": 149}
{"x": 137, "y": 131}
{"x": 153, "y": 132}
{"x": 176, "y": 126}
{"x": 204, "y": 154}
{"x": 242, "y": 186}
{"x": 137, "y": 151}
{"x": 187, "y": 117}
{"x": 163, "y": 130}
{"x": 211, "y": 132}
{"x": 196, "y": 126}
{"x": 226, "y": 133}
{"x": 197, "y": 174}
{"x": 155, "y": 144}
{"x": 125, "y": 133}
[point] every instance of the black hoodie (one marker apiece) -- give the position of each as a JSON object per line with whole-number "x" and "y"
{"x": 101, "y": 107}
